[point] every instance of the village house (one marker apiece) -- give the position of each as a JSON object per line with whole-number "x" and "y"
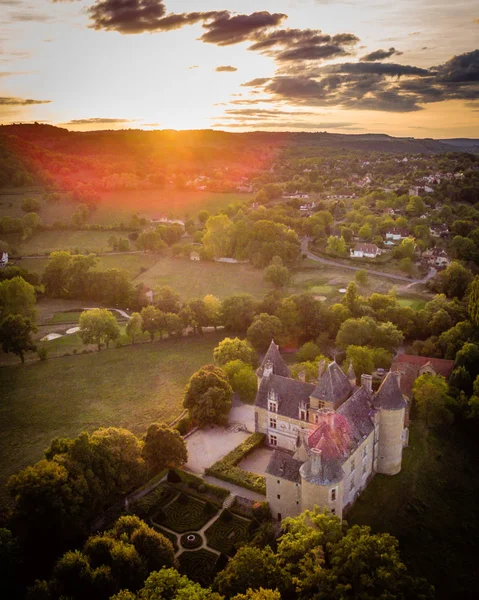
{"x": 436, "y": 257}
{"x": 364, "y": 250}
{"x": 194, "y": 255}
{"x": 329, "y": 438}
{"x": 396, "y": 234}
{"x": 411, "y": 367}
{"x": 4, "y": 259}
{"x": 166, "y": 220}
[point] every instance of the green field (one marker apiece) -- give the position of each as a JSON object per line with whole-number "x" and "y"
{"x": 414, "y": 303}
{"x": 44, "y": 242}
{"x": 196, "y": 279}
{"x": 431, "y": 507}
{"x": 126, "y": 387}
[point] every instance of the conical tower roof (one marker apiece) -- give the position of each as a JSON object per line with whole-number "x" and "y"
{"x": 389, "y": 396}
{"x": 273, "y": 355}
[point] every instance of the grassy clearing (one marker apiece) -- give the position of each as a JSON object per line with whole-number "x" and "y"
{"x": 44, "y": 242}
{"x": 196, "y": 279}
{"x": 415, "y": 303}
{"x": 121, "y": 205}
{"x": 125, "y": 387}
{"x": 431, "y": 507}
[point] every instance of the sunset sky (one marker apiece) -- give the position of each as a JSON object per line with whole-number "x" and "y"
{"x": 408, "y": 68}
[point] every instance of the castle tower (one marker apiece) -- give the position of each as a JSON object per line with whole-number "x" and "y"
{"x": 392, "y": 406}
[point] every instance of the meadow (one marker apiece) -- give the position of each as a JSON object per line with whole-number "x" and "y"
{"x": 424, "y": 506}
{"x": 129, "y": 387}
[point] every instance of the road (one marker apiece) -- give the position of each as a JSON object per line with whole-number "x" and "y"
{"x": 334, "y": 263}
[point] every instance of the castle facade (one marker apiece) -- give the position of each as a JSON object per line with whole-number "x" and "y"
{"x": 329, "y": 438}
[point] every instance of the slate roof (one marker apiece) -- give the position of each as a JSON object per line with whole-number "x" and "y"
{"x": 273, "y": 355}
{"x": 290, "y": 393}
{"x": 284, "y": 466}
{"x": 389, "y": 396}
{"x": 358, "y": 411}
{"x": 330, "y": 472}
{"x": 333, "y": 386}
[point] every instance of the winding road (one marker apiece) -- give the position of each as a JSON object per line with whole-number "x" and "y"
{"x": 326, "y": 261}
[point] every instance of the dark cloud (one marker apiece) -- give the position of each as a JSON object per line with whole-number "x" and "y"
{"x": 312, "y": 52}
{"x": 139, "y": 16}
{"x": 256, "y": 82}
{"x": 380, "y": 55}
{"x": 461, "y": 69}
{"x": 225, "y": 29}
{"x": 389, "y": 69}
{"x": 98, "y": 120}
{"x": 12, "y": 101}
{"x": 28, "y": 16}
{"x": 303, "y": 125}
{"x": 254, "y": 113}
{"x": 225, "y": 69}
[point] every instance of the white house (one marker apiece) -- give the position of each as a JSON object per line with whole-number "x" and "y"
{"x": 396, "y": 234}
{"x": 365, "y": 251}
{"x": 4, "y": 259}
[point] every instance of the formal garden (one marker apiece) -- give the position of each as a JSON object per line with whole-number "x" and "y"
{"x": 205, "y": 524}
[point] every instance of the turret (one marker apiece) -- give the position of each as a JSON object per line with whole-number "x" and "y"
{"x": 351, "y": 375}
{"x": 392, "y": 406}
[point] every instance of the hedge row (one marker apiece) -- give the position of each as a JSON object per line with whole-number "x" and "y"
{"x": 226, "y": 469}
{"x": 199, "y": 485}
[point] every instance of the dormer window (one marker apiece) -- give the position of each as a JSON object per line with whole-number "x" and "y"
{"x": 321, "y": 404}
{"x": 273, "y": 406}
{"x": 302, "y": 414}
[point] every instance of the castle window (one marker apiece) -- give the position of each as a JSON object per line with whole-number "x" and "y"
{"x": 279, "y": 516}
{"x": 333, "y": 494}
{"x": 279, "y": 496}
{"x": 364, "y": 469}
{"x": 302, "y": 415}
{"x": 351, "y": 485}
{"x": 272, "y": 423}
{"x": 353, "y": 466}
{"x": 273, "y": 440}
{"x": 321, "y": 404}
{"x": 333, "y": 511}
{"x": 365, "y": 451}
{"x": 273, "y": 406}
{"x": 279, "y": 481}
{"x": 297, "y": 502}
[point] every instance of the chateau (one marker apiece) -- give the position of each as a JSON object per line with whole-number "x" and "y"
{"x": 329, "y": 438}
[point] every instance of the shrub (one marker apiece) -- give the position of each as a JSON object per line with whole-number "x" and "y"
{"x": 42, "y": 353}
{"x": 227, "y": 470}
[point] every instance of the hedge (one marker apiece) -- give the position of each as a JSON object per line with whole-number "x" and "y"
{"x": 200, "y": 488}
{"x": 226, "y": 469}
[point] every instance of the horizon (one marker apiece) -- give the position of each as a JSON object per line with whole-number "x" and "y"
{"x": 341, "y": 66}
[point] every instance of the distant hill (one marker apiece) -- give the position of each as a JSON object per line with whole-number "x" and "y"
{"x": 462, "y": 144}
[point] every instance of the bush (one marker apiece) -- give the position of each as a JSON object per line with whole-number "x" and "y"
{"x": 184, "y": 425}
{"x": 226, "y": 469}
{"x": 42, "y": 353}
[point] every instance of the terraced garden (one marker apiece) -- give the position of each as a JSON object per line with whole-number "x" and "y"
{"x": 185, "y": 513}
{"x": 227, "y": 531}
{"x": 199, "y": 565}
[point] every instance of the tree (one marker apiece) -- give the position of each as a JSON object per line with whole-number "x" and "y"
{"x": 173, "y": 325}
{"x": 152, "y": 320}
{"x": 362, "y": 359}
{"x": 16, "y": 335}
{"x": 169, "y": 584}
{"x": 361, "y": 277}
{"x": 164, "y": 447}
{"x": 351, "y": 299}
{"x": 208, "y": 396}
{"x": 260, "y": 594}
{"x": 262, "y": 330}
{"x": 230, "y": 349}
{"x": 238, "y": 312}
{"x": 17, "y": 297}
{"x": 212, "y": 309}
{"x": 118, "y": 559}
{"x": 277, "y": 274}
{"x": 453, "y": 281}
{"x": 242, "y": 379}
{"x": 151, "y": 240}
{"x": 10, "y": 565}
{"x": 252, "y": 568}
{"x": 308, "y": 352}
{"x": 336, "y": 246}
{"x": 30, "y": 205}
{"x": 56, "y": 274}
{"x": 430, "y": 394}
{"x": 134, "y": 326}
{"x": 219, "y": 237}
{"x": 365, "y": 331}
{"x": 473, "y": 302}
{"x": 167, "y": 300}
{"x": 98, "y": 326}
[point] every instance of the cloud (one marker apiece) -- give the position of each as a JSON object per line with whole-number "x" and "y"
{"x": 140, "y": 16}
{"x": 29, "y": 16}
{"x": 12, "y": 101}
{"x": 303, "y": 125}
{"x": 256, "y": 82}
{"x": 98, "y": 120}
{"x": 225, "y": 69}
{"x": 225, "y": 29}
{"x": 380, "y": 55}
{"x": 389, "y": 69}
{"x": 193, "y": 67}
{"x": 461, "y": 69}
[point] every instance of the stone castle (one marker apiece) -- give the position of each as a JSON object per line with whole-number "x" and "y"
{"x": 329, "y": 438}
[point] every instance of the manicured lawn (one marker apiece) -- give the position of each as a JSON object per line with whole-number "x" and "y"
{"x": 227, "y": 531}
{"x": 198, "y": 565}
{"x": 74, "y": 316}
{"x": 122, "y": 387}
{"x": 432, "y": 508}
{"x": 193, "y": 279}
{"x": 186, "y": 513}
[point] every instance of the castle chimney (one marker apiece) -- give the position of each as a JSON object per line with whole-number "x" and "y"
{"x": 367, "y": 382}
{"x": 268, "y": 369}
{"x": 315, "y": 461}
{"x": 321, "y": 367}
{"x": 302, "y": 376}
{"x": 351, "y": 375}
{"x": 398, "y": 378}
